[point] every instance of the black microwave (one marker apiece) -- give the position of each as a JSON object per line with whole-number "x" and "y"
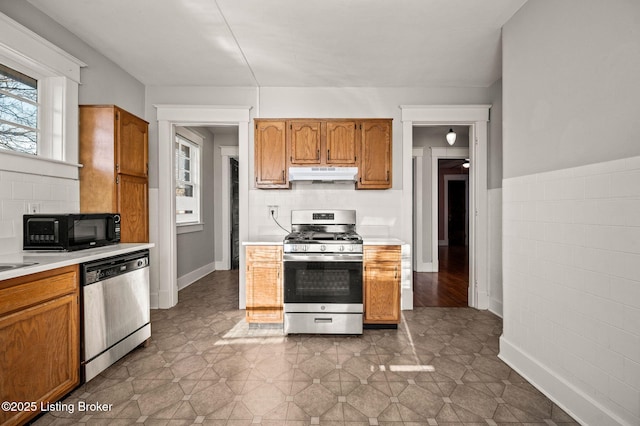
{"x": 68, "y": 232}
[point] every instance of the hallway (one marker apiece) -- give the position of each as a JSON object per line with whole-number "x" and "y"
{"x": 448, "y": 287}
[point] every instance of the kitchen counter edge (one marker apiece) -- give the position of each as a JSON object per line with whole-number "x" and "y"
{"x": 367, "y": 241}
{"x": 46, "y": 261}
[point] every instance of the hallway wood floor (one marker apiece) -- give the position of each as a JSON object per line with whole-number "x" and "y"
{"x": 449, "y": 286}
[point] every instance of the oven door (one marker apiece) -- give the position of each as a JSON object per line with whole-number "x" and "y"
{"x": 323, "y": 279}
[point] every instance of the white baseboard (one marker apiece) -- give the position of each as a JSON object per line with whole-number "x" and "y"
{"x": 572, "y": 400}
{"x": 193, "y": 276}
{"x": 425, "y": 267}
{"x": 495, "y": 306}
{"x": 221, "y": 265}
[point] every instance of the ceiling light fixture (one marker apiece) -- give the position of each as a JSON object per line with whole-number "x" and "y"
{"x": 466, "y": 163}
{"x": 451, "y": 137}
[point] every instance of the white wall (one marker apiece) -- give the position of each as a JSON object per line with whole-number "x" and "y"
{"x": 571, "y": 201}
{"x": 494, "y": 185}
{"x": 102, "y": 82}
{"x": 17, "y": 190}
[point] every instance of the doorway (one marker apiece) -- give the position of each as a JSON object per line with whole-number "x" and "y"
{"x": 164, "y": 288}
{"x": 446, "y": 284}
{"x": 476, "y": 118}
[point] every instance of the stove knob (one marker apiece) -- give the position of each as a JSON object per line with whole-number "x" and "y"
{"x": 305, "y": 247}
{"x": 351, "y": 247}
{"x": 341, "y": 248}
{"x": 323, "y": 247}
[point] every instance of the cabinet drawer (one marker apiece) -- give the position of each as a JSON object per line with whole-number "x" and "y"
{"x": 382, "y": 254}
{"x": 21, "y": 292}
{"x": 264, "y": 254}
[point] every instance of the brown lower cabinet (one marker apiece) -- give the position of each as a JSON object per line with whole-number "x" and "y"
{"x": 40, "y": 338}
{"x": 381, "y": 277}
{"x": 264, "y": 284}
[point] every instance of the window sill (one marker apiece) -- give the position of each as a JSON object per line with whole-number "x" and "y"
{"x": 187, "y": 228}
{"x": 42, "y": 166}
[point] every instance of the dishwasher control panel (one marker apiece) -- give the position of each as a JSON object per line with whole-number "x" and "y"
{"x": 112, "y": 267}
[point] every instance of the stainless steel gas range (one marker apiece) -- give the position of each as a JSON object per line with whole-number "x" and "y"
{"x": 323, "y": 273}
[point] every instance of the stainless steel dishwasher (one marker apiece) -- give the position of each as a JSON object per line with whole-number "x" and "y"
{"x": 115, "y": 308}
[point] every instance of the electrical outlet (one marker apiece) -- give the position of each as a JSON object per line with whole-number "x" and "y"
{"x": 33, "y": 208}
{"x": 272, "y": 211}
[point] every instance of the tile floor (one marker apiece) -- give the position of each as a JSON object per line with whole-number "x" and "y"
{"x": 206, "y": 366}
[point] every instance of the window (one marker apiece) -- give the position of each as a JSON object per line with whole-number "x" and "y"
{"x": 187, "y": 165}
{"x": 38, "y": 104}
{"x": 18, "y": 111}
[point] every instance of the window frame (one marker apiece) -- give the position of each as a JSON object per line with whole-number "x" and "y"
{"x": 196, "y": 141}
{"x": 58, "y": 77}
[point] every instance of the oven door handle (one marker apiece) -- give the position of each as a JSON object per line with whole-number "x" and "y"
{"x": 322, "y": 257}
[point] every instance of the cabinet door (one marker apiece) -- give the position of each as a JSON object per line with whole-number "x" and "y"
{"x": 40, "y": 360}
{"x": 304, "y": 142}
{"x": 133, "y": 206}
{"x": 264, "y": 292}
{"x": 375, "y": 158}
{"x": 342, "y": 146}
{"x": 382, "y": 293}
{"x": 131, "y": 144}
{"x": 270, "y": 155}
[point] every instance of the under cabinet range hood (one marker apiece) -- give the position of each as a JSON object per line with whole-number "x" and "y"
{"x": 323, "y": 174}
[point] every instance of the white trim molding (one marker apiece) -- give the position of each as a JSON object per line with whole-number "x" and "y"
{"x": 226, "y": 152}
{"x": 476, "y": 117}
{"x": 168, "y": 117}
{"x": 187, "y": 279}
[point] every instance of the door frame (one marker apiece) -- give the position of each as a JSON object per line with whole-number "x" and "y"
{"x": 476, "y": 117}
{"x": 227, "y": 152}
{"x": 164, "y": 238}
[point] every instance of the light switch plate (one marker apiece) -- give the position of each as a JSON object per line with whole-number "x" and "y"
{"x": 33, "y": 208}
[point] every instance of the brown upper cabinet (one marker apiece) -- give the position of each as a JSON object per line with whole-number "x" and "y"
{"x": 270, "y": 154}
{"x": 341, "y": 143}
{"x": 304, "y": 142}
{"x": 114, "y": 152}
{"x": 374, "y": 171}
{"x": 284, "y": 143}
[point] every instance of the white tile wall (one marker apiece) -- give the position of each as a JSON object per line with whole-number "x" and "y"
{"x": 377, "y": 212}
{"x": 571, "y": 263}
{"x": 17, "y": 190}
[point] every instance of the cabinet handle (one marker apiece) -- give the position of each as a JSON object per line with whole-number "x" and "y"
{"x": 396, "y": 276}
{"x": 283, "y": 175}
{"x": 318, "y": 155}
{"x": 387, "y": 175}
{"x": 328, "y": 154}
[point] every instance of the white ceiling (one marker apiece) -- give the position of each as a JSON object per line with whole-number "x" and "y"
{"x": 337, "y": 43}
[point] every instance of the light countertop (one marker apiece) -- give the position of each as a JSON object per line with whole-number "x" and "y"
{"x": 265, "y": 240}
{"x": 382, "y": 241}
{"x": 45, "y": 261}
